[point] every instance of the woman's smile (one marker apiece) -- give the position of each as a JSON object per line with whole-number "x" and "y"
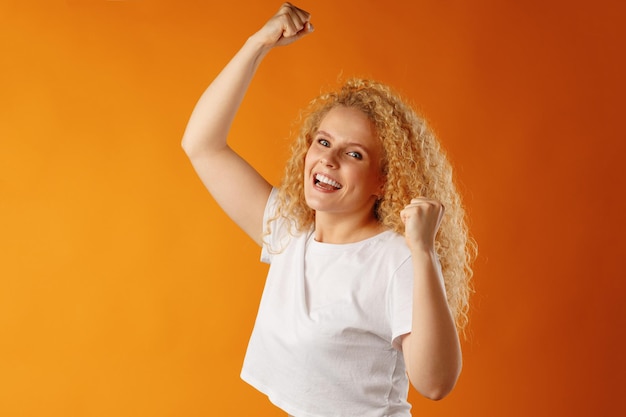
{"x": 325, "y": 183}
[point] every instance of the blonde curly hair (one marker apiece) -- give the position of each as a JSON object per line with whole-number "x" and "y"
{"x": 413, "y": 164}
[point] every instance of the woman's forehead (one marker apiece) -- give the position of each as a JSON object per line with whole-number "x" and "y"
{"x": 348, "y": 124}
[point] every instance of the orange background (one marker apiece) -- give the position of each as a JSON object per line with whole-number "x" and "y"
{"x": 124, "y": 291}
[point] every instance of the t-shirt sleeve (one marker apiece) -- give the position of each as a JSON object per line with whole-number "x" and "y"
{"x": 270, "y": 209}
{"x": 401, "y": 303}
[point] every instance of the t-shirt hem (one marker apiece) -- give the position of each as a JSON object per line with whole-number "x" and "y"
{"x": 271, "y": 395}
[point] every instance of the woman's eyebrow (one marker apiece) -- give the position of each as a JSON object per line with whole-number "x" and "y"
{"x": 323, "y": 132}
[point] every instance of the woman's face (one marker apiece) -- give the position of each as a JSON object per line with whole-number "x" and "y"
{"x": 342, "y": 172}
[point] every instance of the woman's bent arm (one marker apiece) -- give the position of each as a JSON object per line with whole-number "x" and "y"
{"x": 237, "y": 187}
{"x": 432, "y": 351}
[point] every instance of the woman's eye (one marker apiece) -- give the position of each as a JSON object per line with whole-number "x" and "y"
{"x": 355, "y": 155}
{"x": 323, "y": 142}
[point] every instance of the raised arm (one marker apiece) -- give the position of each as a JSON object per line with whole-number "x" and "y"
{"x": 237, "y": 187}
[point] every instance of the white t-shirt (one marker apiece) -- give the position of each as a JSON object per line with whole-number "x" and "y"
{"x": 326, "y": 341}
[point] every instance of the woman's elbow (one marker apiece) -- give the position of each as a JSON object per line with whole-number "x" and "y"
{"x": 192, "y": 150}
{"x": 437, "y": 388}
{"x": 187, "y": 145}
{"x": 436, "y": 393}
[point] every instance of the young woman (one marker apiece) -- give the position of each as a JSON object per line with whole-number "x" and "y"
{"x": 368, "y": 280}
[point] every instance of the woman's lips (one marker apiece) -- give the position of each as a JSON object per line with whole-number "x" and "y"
{"x": 325, "y": 182}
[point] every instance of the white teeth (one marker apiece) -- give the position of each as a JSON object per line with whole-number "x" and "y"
{"x": 326, "y": 180}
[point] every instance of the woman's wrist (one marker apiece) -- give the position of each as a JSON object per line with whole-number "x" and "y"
{"x": 259, "y": 43}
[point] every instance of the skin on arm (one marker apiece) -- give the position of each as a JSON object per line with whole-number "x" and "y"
{"x": 237, "y": 187}
{"x": 432, "y": 351}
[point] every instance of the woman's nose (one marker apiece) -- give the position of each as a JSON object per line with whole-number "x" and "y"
{"x": 329, "y": 161}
